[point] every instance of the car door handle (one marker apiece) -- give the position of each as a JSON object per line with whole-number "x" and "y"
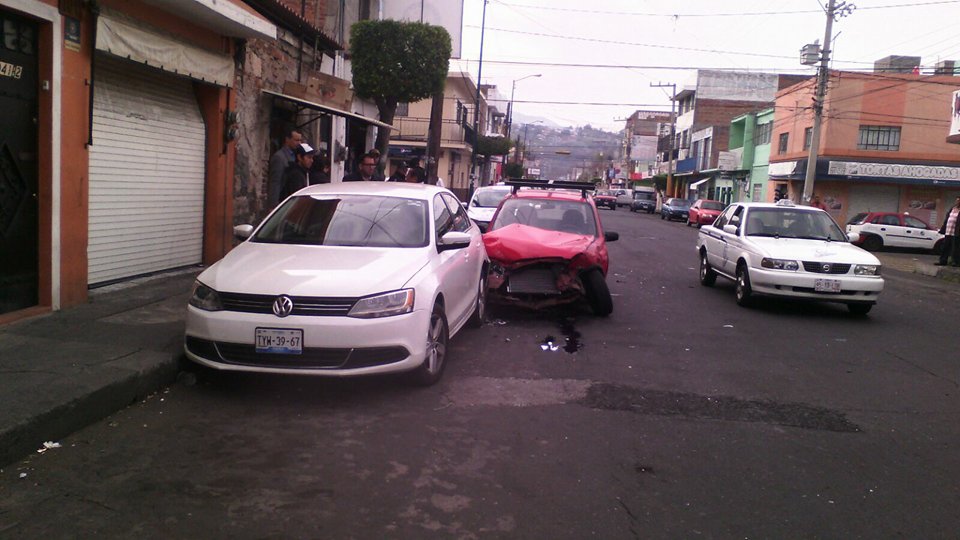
{"x": 883, "y": 228}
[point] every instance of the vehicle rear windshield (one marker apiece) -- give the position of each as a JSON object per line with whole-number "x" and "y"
{"x": 682, "y": 203}
{"x": 348, "y": 220}
{"x": 713, "y": 205}
{"x": 858, "y": 219}
{"x": 643, "y": 195}
{"x": 793, "y": 223}
{"x": 563, "y": 216}
{"x": 490, "y": 198}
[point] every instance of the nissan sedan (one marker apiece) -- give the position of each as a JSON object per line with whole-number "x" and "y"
{"x": 343, "y": 279}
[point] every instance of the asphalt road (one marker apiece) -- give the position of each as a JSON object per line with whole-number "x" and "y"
{"x": 681, "y": 415}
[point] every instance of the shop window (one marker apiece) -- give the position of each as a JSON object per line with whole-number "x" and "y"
{"x": 879, "y": 138}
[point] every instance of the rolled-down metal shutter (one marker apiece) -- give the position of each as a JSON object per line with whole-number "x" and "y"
{"x": 873, "y": 198}
{"x": 146, "y": 172}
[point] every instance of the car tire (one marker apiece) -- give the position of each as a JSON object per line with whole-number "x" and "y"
{"x": 598, "y": 294}
{"x": 938, "y": 247}
{"x": 859, "y": 309}
{"x": 742, "y": 287}
{"x": 707, "y": 274}
{"x": 873, "y": 243}
{"x": 480, "y": 309}
{"x": 662, "y": 216}
{"x": 433, "y": 364}
{"x": 614, "y": 208}
{"x": 688, "y": 222}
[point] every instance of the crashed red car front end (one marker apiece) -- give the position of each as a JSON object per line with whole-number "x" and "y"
{"x": 547, "y": 247}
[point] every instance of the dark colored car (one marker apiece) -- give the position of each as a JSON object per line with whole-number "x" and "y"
{"x": 605, "y": 198}
{"x": 674, "y": 208}
{"x": 644, "y": 201}
{"x": 547, "y": 247}
{"x": 704, "y": 212}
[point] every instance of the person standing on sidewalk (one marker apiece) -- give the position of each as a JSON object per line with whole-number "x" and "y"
{"x": 297, "y": 175}
{"x": 950, "y": 251}
{"x": 280, "y": 161}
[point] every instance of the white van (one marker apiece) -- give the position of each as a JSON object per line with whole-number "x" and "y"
{"x": 624, "y": 197}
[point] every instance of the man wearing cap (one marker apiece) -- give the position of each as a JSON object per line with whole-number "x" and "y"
{"x": 297, "y": 176}
{"x": 280, "y": 161}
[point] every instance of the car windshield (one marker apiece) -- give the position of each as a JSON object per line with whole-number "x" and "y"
{"x": 679, "y": 203}
{"x": 793, "y": 223}
{"x": 348, "y": 220}
{"x": 713, "y": 205}
{"x": 564, "y": 216}
{"x": 489, "y": 198}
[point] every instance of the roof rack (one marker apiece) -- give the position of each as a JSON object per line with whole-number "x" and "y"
{"x": 583, "y": 187}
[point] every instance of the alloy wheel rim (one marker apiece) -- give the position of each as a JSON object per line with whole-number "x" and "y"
{"x": 703, "y": 267}
{"x": 436, "y": 348}
{"x": 482, "y": 300}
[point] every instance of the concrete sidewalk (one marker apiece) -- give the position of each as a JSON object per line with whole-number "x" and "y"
{"x": 65, "y": 370}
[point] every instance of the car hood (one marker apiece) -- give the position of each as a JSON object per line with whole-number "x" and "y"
{"x": 521, "y": 242}
{"x": 813, "y": 250}
{"x": 481, "y": 213}
{"x": 297, "y": 270}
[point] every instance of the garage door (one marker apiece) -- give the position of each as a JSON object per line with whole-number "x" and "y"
{"x": 146, "y": 172}
{"x": 876, "y": 198}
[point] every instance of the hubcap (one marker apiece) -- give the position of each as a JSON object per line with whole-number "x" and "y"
{"x": 436, "y": 348}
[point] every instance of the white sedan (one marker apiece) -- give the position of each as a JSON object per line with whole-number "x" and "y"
{"x": 788, "y": 251}
{"x": 343, "y": 279}
{"x": 484, "y": 204}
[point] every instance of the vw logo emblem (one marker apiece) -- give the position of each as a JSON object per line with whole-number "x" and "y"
{"x": 282, "y": 306}
{"x": 826, "y": 269}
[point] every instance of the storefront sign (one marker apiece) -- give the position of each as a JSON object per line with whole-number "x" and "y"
{"x": 893, "y": 170}
{"x": 783, "y": 168}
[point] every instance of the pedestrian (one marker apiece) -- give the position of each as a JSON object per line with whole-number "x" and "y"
{"x": 320, "y": 172}
{"x": 280, "y": 161}
{"x": 415, "y": 173}
{"x": 950, "y": 250}
{"x": 399, "y": 174}
{"x": 297, "y": 175}
{"x": 366, "y": 172}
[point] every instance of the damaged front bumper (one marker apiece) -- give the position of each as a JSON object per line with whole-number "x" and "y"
{"x": 535, "y": 284}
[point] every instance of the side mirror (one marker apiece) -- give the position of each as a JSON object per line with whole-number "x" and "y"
{"x": 243, "y": 231}
{"x": 453, "y": 240}
{"x": 731, "y": 229}
{"x": 853, "y": 237}
{"x": 611, "y": 236}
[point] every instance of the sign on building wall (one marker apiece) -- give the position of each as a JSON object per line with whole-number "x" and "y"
{"x": 445, "y": 13}
{"x": 893, "y": 170}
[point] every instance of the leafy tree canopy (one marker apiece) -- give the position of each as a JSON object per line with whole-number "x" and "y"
{"x": 513, "y": 170}
{"x": 493, "y": 146}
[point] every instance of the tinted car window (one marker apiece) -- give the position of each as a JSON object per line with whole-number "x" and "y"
{"x": 348, "y": 220}
{"x": 461, "y": 221}
{"x": 793, "y": 223}
{"x": 890, "y": 220}
{"x": 489, "y": 198}
{"x": 911, "y": 221}
{"x": 711, "y": 205}
{"x": 441, "y": 216}
{"x": 857, "y": 219}
{"x": 679, "y": 203}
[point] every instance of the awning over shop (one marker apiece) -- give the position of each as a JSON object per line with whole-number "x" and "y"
{"x": 328, "y": 109}
{"x": 698, "y": 182}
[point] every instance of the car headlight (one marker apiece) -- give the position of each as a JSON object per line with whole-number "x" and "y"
{"x": 205, "y": 298}
{"x": 867, "y": 270}
{"x": 383, "y": 305}
{"x": 780, "y": 264}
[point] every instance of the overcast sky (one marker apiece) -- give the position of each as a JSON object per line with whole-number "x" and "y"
{"x": 523, "y": 37}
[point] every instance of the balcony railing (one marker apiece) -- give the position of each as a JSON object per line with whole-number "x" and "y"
{"x": 408, "y": 128}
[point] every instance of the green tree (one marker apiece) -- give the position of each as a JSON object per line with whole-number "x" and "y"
{"x": 394, "y": 62}
{"x": 493, "y": 146}
{"x": 513, "y": 170}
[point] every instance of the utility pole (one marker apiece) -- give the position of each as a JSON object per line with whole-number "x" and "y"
{"x": 823, "y": 76}
{"x": 673, "y": 126}
{"x": 476, "y": 107}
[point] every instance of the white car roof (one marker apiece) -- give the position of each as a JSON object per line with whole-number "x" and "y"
{"x": 792, "y": 206}
{"x": 387, "y": 189}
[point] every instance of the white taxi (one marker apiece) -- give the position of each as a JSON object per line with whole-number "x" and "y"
{"x": 789, "y": 251}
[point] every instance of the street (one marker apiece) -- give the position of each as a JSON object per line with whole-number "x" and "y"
{"x": 681, "y": 415}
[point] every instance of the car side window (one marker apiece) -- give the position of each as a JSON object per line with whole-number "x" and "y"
{"x": 461, "y": 221}
{"x": 735, "y": 217}
{"x": 442, "y": 220}
{"x": 911, "y": 221}
{"x": 890, "y": 220}
{"x": 877, "y": 220}
{"x": 724, "y": 217}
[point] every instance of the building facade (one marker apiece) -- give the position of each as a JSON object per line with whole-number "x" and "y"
{"x": 750, "y": 136}
{"x": 882, "y": 144}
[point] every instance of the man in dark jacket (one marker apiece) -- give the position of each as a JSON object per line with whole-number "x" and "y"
{"x": 951, "y": 240}
{"x": 297, "y": 175}
{"x": 280, "y": 161}
{"x": 367, "y": 171}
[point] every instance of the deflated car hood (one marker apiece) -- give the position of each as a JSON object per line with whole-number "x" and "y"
{"x": 813, "y": 250}
{"x": 297, "y": 270}
{"x": 515, "y": 243}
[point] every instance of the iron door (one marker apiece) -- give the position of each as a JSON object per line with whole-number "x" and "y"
{"x": 19, "y": 223}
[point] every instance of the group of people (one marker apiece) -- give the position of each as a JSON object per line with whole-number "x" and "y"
{"x": 294, "y": 166}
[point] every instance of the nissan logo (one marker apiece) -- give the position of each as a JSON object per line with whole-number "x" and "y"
{"x": 282, "y": 306}
{"x": 826, "y": 270}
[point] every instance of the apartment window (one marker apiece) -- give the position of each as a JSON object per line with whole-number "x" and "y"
{"x": 403, "y": 109}
{"x": 807, "y": 138}
{"x": 879, "y": 138}
{"x": 782, "y": 145}
{"x": 762, "y": 134}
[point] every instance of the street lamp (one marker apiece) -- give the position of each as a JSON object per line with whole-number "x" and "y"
{"x": 513, "y": 89}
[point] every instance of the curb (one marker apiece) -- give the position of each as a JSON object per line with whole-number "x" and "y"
{"x": 149, "y": 372}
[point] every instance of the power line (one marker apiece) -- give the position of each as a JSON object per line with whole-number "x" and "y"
{"x": 741, "y": 14}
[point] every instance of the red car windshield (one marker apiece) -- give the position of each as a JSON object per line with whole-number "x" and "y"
{"x": 712, "y": 205}
{"x": 564, "y": 216}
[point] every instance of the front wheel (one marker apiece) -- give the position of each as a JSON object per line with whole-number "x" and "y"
{"x": 480, "y": 309}
{"x": 434, "y": 361}
{"x": 663, "y": 216}
{"x": 598, "y": 294}
{"x": 743, "y": 291}
{"x": 873, "y": 243}
{"x": 707, "y": 275}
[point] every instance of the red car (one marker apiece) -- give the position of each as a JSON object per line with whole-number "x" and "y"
{"x": 704, "y": 212}
{"x": 547, "y": 247}
{"x": 605, "y": 198}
